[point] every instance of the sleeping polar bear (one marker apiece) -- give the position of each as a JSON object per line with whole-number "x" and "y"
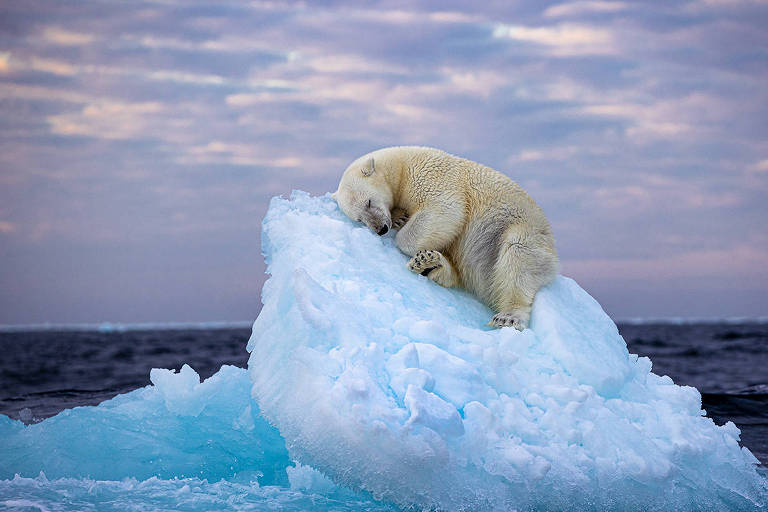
{"x": 464, "y": 224}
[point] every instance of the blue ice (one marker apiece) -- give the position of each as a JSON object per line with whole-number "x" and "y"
{"x": 179, "y": 444}
{"x": 365, "y": 376}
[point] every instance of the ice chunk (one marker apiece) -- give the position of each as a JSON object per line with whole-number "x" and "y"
{"x": 385, "y": 381}
{"x": 430, "y": 410}
{"x": 178, "y": 428}
{"x": 305, "y": 478}
{"x": 182, "y": 392}
{"x": 181, "y": 444}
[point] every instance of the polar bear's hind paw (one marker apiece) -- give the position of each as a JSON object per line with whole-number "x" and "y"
{"x": 435, "y": 266}
{"x": 515, "y": 319}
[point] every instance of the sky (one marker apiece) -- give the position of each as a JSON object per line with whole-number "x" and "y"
{"x": 140, "y": 142}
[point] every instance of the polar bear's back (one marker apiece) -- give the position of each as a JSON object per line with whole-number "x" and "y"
{"x": 495, "y": 212}
{"x": 431, "y": 172}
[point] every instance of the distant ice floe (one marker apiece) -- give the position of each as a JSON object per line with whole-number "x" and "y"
{"x": 367, "y": 381}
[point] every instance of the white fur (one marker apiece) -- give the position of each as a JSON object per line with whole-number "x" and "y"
{"x": 463, "y": 223}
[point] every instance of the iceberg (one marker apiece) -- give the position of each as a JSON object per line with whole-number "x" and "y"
{"x": 176, "y": 428}
{"x": 372, "y": 388}
{"x": 384, "y": 381}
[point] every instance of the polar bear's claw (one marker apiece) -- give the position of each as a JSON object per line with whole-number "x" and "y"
{"x": 515, "y": 319}
{"x": 399, "y": 218}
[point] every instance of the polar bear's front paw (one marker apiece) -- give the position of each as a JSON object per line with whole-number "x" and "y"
{"x": 399, "y": 218}
{"x": 516, "y": 319}
{"x": 425, "y": 262}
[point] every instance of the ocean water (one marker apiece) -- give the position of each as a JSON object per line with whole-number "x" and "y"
{"x": 43, "y": 372}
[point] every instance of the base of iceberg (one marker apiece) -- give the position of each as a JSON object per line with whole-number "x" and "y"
{"x": 367, "y": 377}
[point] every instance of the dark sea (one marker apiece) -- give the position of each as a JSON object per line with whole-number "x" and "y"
{"x": 45, "y": 371}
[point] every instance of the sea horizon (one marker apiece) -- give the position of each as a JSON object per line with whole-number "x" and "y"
{"x": 109, "y": 326}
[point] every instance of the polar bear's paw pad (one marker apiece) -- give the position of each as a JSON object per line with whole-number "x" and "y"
{"x": 516, "y": 319}
{"x": 425, "y": 262}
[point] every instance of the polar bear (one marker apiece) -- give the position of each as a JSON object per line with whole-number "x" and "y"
{"x": 462, "y": 223}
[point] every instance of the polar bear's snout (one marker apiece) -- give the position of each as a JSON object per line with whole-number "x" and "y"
{"x": 377, "y": 219}
{"x": 378, "y": 225}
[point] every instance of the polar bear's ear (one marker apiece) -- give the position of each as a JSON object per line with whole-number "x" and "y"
{"x": 368, "y": 168}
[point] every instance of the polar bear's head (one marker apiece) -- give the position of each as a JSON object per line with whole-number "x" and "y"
{"x": 365, "y": 196}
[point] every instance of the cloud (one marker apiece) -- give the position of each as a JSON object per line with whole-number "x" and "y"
{"x": 226, "y": 44}
{"x": 562, "y": 40}
{"x": 392, "y": 16}
{"x": 720, "y": 4}
{"x": 250, "y": 99}
{"x": 760, "y": 167}
{"x": 653, "y": 192}
{"x": 579, "y": 8}
{"x": 742, "y": 260}
{"x": 52, "y": 66}
{"x": 39, "y": 93}
{"x": 63, "y": 37}
{"x": 7, "y": 227}
{"x": 695, "y": 113}
{"x": 387, "y": 16}
{"x": 646, "y": 121}
{"x": 555, "y": 153}
{"x": 64, "y": 68}
{"x": 237, "y": 154}
{"x": 329, "y": 63}
{"x": 385, "y": 103}
{"x": 478, "y": 82}
{"x": 108, "y": 120}
{"x": 4, "y": 58}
